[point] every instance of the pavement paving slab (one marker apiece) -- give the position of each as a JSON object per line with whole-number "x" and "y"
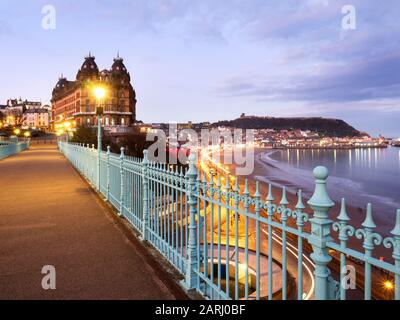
{"x": 50, "y": 216}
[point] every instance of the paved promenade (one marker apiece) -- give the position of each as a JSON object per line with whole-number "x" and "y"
{"x": 49, "y": 216}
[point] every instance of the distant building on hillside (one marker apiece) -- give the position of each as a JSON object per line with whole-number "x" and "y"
{"x": 26, "y": 114}
{"x": 36, "y": 119}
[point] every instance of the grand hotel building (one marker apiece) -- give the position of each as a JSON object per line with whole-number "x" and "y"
{"x": 74, "y": 101}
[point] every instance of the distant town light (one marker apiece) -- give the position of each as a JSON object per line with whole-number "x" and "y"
{"x": 27, "y": 134}
{"x": 17, "y": 131}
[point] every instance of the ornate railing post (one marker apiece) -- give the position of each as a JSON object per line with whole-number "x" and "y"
{"x": 145, "y": 182}
{"x": 371, "y": 239}
{"x": 122, "y": 193}
{"x": 191, "y": 254}
{"x": 396, "y": 255}
{"x": 345, "y": 231}
{"x": 108, "y": 174}
{"x": 320, "y": 233}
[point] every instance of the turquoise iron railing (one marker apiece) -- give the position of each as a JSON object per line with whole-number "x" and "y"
{"x": 9, "y": 148}
{"x": 229, "y": 244}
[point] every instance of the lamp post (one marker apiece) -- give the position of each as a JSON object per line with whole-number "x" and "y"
{"x": 67, "y": 126}
{"x": 100, "y": 93}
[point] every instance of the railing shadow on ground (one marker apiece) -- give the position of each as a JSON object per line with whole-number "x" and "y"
{"x": 199, "y": 224}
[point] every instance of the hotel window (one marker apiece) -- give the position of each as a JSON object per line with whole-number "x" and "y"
{"x": 113, "y": 122}
{"x": 107, "y": 121}
{"x": 87, "y": 105}
{"x": 122, "y": 122}
{"x": 88, "y": 121}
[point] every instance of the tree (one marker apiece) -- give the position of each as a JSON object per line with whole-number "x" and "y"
{"x": 134, "y": 143}
{"x": 17, "y": 115}
{"x": 86, "y": 135}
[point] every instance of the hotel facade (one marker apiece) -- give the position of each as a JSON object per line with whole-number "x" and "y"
{"x": 74, "y": 102}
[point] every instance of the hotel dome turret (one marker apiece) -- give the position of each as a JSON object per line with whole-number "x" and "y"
{"x": 119, "y": 71}
{"x": 89, "y": 69}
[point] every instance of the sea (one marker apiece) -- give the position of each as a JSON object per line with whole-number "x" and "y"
{"x": 361, "y": 176}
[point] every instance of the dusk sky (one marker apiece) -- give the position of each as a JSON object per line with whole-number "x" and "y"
{"x": 212, "y": 60}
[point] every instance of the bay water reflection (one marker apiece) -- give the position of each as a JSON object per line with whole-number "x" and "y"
{"x": 359, "y": 175}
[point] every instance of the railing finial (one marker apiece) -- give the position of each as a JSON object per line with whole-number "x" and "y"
{"x": 343, "y": 212}
{"x": 300, "y": 204}
{"x": 284, "y": 201}
{"x": 257, "y": 193}
{"x": 246, "y": 187}
{"x": 270, "y": 196}
{"x": 396, "y": 230}
{"x": 369, "y": 221}
{"x": 320, "y": 200}
{"x": 192, "y": 165}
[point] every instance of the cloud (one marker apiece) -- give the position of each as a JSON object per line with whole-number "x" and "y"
{"x": 367, "y": 80}
{"x": 291, "y": 53}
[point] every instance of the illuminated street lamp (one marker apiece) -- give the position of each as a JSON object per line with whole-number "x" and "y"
{"x": 27, "y": 134}
{"x": 99, "y": 93}
{"x": 17, "y": 132}
{"x": 388, "y": 285}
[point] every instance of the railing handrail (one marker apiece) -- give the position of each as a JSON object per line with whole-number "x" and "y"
{"x": 11, "y": 147}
